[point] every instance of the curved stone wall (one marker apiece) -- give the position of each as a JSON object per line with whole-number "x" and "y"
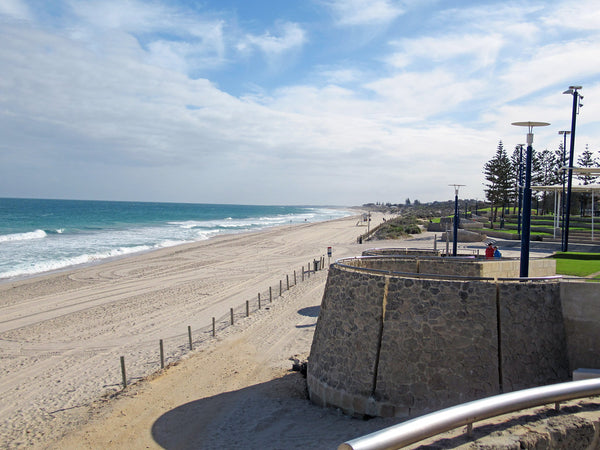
{"x": 391, "y": 344}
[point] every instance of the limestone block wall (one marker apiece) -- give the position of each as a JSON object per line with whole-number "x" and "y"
{"x": 581, "y": 312}
{"x": 533, "y": 340}
{"x": 401, "y": 251}
{"x": 403, "y": 345}
{"x": 406, "y": 260}
{"x": 440, "y": 350}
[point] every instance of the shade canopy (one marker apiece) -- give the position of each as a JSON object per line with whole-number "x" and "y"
{"x": 530, "y": 124}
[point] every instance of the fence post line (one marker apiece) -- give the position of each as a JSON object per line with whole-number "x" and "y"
{"x": 214, "y": 328}
{"x": 270, "y": 294}
{"x": 259, "y": 300}
{"x": 231, "y": 311}
{"x": 247, "y": 308}
{"x": 190, "y": 337}
{"x": 123, "y": 372}
{"x": 162, "y": 354}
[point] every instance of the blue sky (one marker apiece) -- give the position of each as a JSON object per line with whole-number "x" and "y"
{"x": 284, "y": 102}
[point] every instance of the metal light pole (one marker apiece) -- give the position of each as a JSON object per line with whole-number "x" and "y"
{"x": 572, "y": 90}
{"x": 524, "y": 273}
{"x": 456, "y": 218}
{"x": 520, "y": 188}
{"x": 562, "y": 202}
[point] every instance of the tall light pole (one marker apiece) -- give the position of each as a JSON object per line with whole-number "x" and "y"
{"x": 573, "y": 91}
{"x": 520, "y": 181}
{"x": 564, "y": 178}
{"x": 524, "y": 273}
{"x": 456, "y": 218}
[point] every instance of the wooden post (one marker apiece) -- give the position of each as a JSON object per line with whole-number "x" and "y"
{"x": 214, "y": 328}
{"x": 295, "y": 282}
{"x": 280, "y": 288}
{"x": 270, "y": 294}
{"x": 259, "y": 300}
{"x": 123, "y": 372}
{"x": 302, "y": 273}
{"x": 287, "y": 280}
{"x": 247, "y": 308}
{"x": 162, "y": 355}
{"x": 231, "y": 311}
{"x": 190, "y": 337}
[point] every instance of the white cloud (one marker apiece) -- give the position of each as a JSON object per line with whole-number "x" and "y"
{"x": 287, "y": 36}
{"x": 420, "y": 95}
{"x": 364, "y": 12}
{"x": 175, "y": 39}
{"x": 15, "y": 9}
{"x": 480, "y": 50}
{"x": 581, "y": 16}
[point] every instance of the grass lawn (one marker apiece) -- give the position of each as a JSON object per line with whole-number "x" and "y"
{"x": 577, "y": 264}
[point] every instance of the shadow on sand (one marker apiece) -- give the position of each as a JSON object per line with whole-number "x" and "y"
{"x": 310, "y": 311}
{"x": 273, "y": 415}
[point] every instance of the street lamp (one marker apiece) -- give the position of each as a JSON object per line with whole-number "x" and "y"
{"x": 573, "y": 91}
{"x": 564, "y": 176}
{"x": 456, "y": 217}
{"x": 527, "y": 196}
{"x": 520, "y": 182}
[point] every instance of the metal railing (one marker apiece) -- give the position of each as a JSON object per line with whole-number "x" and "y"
{"x": 416, "y": 430}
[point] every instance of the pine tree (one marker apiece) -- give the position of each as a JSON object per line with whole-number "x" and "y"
{"x": 516, "y": 160}
{"x": 545, "y": 174}
{"x": 586, "y": 159}
{"x": 499, "y": 176}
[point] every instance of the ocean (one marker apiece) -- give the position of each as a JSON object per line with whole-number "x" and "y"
{"x": 38, "y": 236}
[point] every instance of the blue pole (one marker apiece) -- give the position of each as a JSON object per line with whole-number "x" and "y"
{"x": 520, "y": 189}
{"x": 526, "y": 211}
{"x": 570, "y": 179}
{"x": 456, "y": 219}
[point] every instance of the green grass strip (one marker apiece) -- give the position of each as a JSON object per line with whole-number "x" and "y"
{"x": 577, "y": 264}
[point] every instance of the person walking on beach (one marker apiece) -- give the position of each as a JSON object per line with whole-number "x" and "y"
{"x": 489, "y": 251}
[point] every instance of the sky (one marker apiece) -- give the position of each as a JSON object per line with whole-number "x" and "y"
{"x": 320, "y": 102}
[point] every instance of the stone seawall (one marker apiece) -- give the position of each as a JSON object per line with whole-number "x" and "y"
{"x": 403, "y": 345}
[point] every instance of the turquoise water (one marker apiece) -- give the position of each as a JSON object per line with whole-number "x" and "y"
{"x": 37, "y": 236}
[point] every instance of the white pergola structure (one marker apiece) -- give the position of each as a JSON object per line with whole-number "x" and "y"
{"x": 558, "y": 188}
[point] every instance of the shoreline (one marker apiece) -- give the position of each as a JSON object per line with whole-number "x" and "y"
{"x": 109, "y": 259}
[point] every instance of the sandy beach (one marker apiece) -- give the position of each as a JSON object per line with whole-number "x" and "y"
{"x": 62, "y": 336}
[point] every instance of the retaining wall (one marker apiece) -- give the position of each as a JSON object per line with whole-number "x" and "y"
{"x": 581, "y": 312}
{"x": 403, "y": 345}
{"x": 426, "y": 262}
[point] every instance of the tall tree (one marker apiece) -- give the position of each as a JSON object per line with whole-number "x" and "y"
{"x": 499, "y": 176}
{"x": 545, "y": 174}
{"x": 586, "y": 160}
{"x": 516, "y": 161}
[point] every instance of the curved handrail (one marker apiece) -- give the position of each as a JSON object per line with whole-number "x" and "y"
{"x": 416, "y": 430}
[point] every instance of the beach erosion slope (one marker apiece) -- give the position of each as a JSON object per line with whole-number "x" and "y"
{"x": 62, "y": 336}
